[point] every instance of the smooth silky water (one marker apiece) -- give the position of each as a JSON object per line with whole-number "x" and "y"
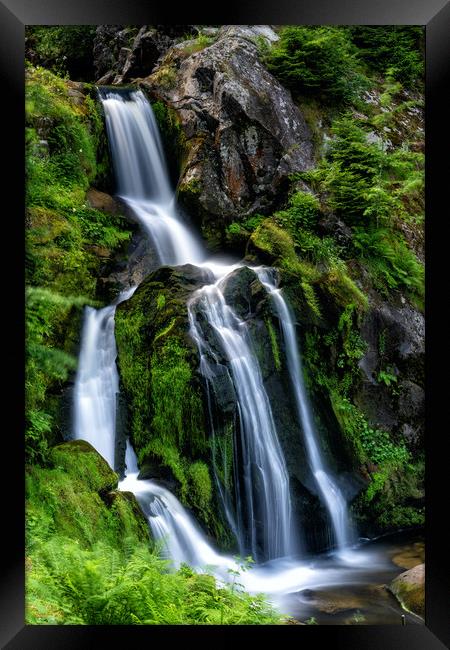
{"x": 292, "y": 582}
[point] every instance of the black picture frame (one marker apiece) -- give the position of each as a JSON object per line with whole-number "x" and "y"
{"x": 14, "y": 15}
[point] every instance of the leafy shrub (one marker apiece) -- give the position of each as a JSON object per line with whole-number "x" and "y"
{"x": 66, "y": 49}
{"x": 399, "y": 48}
{"x": 109, "y": 586}
{"x": 316, "y": 60}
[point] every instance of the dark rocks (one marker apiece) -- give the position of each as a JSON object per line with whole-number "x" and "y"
{"x": 90, "y": 464}
{"x": 244, "y": 292}
{"x": 124, "y": 53}
{"x": 395, "y": 338}
{"x": 108, "y": 42}
{"x": 331, "y": 226}
{"x": 244, "y": 135}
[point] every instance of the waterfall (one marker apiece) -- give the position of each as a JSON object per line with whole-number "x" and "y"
{"x": 260, "y": 515}
{"x": 330, "y": 493}
{"x": 96, "y": 382}
{"x": 263, "y": 504}
{"x": 142, "y": 177}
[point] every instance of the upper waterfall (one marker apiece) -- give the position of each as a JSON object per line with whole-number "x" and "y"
{"x": 142, "y": 176}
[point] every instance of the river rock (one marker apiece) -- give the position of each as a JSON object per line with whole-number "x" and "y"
{"x": 242, "y": 133}
{"x": 409, "y": 589}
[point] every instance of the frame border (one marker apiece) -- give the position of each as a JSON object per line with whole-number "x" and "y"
{"x": 14, "y": 15}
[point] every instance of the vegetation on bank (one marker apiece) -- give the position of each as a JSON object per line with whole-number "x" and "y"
{"x": 351, "y": 232}
{"x": 91, "y": 562}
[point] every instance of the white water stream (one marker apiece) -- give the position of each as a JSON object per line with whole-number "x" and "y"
{"x": 331, "y": 495}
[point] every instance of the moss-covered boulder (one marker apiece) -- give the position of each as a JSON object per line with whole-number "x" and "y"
{"x": 76, "y": 497}
{"x": 409, "y": 589}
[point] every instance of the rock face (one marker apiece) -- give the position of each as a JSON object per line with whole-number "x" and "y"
{"x": 243, "y": 135}
{"x": 409, "y": 589}
{"x": 396, "y": 342}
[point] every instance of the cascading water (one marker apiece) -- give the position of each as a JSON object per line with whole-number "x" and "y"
{"x": 331, "y": 495}
{"x": 96, "y": 383}
{"x": 263, "y": 505}
{"x": 142, "y": 177}
{"x": 262, "y": 518}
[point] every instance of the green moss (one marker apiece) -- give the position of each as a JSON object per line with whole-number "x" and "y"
{"x": 66, "y": 499}
{"x": 177, "y": 409}
{"x": 274, "y": 344}
{"x": 200, "y": 487}
{"x": 165, "y": 330}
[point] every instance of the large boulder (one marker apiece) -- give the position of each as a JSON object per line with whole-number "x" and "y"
{"x": 409, "y": 589}
{"x": 242, "y": 133}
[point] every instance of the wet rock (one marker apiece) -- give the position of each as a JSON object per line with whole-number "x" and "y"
{"x": 330, "y": 225}
{"x": 410, "y": 556}
{"x": 409, "y": 589}
{"x": 123, "y": 53}
{"x": 395, "y": 338}
{"x": 108, "y": 41}
{"x": 244, "y": 292}
{"x": 411, "y": 403}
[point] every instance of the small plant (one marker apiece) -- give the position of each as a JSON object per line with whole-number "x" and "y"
{"x": 311, "y": 621}
{"x": 387, "y": 376}
{"x": 358, "y": 618}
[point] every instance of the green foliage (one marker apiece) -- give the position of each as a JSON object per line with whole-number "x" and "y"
{"x": 370, "y": 445}
{"x": 62, "y": 239}
{"x": 392, "y": 47}
{"x": 196, "y": 43}
{"x": 89, "y": 562}
{"x": 274, "y": 344}
{"x": 66, "y": 49}
{"x": 392, "y": 264}
{"x": 394, "y": 497}
{"x": 107, "y": 586}
{"x": 317, "y": 60}
{"x": 47, "y": 364}
{"x": 367, "y": 188}
{"x": 172, "y": 136}
{"x": 387, "y": 376}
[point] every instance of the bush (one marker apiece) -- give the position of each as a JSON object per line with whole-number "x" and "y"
{"x": 66, "y": 49}
{"x": 394, "y": 47}
{"x": 317, "y": 61}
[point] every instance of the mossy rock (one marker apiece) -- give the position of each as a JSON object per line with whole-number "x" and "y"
{"x": 74, "y": 498}
{"x": 132, "y": 522}
{"x": 409, "y": 589}
{"x": 80, "y": 460}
